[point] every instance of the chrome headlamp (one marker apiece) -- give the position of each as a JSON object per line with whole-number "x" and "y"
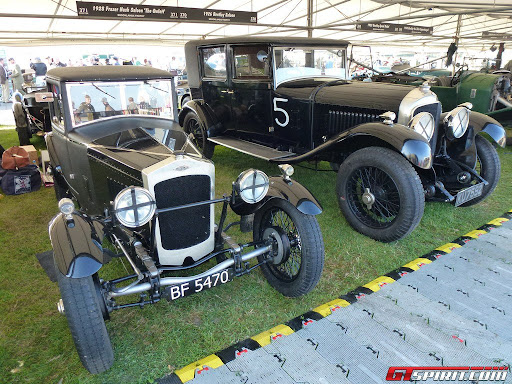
{"x": 457, "y": 122}
{"x": 424, "y": 124}
{"x": 134, "y": 207}
{"x": 252, "y": 185}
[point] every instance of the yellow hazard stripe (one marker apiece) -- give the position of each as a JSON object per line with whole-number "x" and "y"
{"x": 418, "y": 263}
{"x": 475, "y": 234}
{"x": 448, "y": 247}
{"x": 327, "y": 308}
{"x": 189, "y": 372}
{"x": 378, "y": 283}
{"x": 498, "y": 221}
{"x": 265, "y": 337}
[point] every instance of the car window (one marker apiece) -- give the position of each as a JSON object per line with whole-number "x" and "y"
{"x": 251, "y": 62}
{"x": 98, "y": 100}
{"x": 214, "y": 62}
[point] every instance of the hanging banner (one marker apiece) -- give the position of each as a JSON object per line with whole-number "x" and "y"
{"x": 395, "y": 28}
{"x": 497, "y": 35}
{"x": 116, "y": 11}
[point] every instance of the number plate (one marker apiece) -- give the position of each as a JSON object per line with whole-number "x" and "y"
{"x": 197, "y": 285}
{"x": 469, "y": 194}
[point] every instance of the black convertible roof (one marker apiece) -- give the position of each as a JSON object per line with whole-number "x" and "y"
{"x": 286, "y": 41}
{"x": 106, "y": 73}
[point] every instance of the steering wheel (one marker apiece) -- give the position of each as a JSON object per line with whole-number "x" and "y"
{"x": 458, "y": 73}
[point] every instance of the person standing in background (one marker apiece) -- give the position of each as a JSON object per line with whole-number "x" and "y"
{"x": 39, "y": 67}
{"x": 116, "y": 60}
{"x": 4, "y": 81}
{"x": 16, "y": 76}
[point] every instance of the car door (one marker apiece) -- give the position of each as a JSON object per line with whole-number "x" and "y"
{"x": 215, "y": 86}
{"x": 252, "y": 91}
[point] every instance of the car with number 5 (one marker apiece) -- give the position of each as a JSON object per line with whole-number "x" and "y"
{"x": 287, "y": 100}
{"x": 127, "y": 175}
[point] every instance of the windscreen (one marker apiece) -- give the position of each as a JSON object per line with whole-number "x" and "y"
{"x": 294, "y": 63}
{"x": 90, "y": 101}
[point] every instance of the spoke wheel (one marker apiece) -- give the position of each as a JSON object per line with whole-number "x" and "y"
{"x": 195, "y": 128}
{"x": 380, "y": 194}
{"x": 296, "y": 272}
{"x": 488, "y": 166}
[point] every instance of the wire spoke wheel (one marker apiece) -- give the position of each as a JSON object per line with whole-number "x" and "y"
{"x": 298, "y": 271}
{"x": 373, "y": 197}
{"x": 194, "y": 127}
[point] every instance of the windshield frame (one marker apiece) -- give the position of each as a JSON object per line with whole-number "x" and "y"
{"x": 306, "y": 47}
{"x": 99, "y": 84}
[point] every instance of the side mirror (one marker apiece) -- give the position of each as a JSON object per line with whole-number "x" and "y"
{"x": 262, "y": 56}
{"x": 42, "y": 97}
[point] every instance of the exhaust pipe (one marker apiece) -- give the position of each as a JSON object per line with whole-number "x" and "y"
{"x": 165, "y": 281}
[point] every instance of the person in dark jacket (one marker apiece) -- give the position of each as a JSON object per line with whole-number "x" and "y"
{"x": 39, "y": 67}
{"x": 3, "y": 80}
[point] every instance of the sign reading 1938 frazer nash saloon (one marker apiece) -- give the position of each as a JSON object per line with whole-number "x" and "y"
{"x": 140, "y": 183}
{"x": 287, "y": 100}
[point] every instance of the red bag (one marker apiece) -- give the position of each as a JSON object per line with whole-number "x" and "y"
{"x": 14, "y": 158}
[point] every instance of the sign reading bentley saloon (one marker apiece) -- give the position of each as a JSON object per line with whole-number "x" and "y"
{"x": 100, "y": 10}
{"x": 395, "y": 28}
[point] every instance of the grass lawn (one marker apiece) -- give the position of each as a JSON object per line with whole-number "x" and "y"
{"x": 35, "y": 343}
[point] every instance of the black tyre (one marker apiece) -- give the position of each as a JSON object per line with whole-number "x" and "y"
{"x": 380, "y": 194}
{"x": 86, "y": 322}
{"x": 185, "y": 100}
{"x": 192, "y": 125}
{"x": 60, "y": 187}
{"x": 297, "y": 272}
{"x": 23, "y": 135}
{"x": 488, "y": 166}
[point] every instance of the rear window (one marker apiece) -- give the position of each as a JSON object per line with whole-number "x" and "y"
{"x": 214, "y": 62}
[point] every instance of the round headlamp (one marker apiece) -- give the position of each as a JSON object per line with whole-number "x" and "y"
{"x": 134, "y": 207}
{"x": 424, "y": 124}
{"x": 252, "y": 185}
{"x": 66, "y": 206}
{"x": 457, "y": 122}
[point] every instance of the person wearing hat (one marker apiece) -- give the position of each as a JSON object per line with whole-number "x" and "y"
{"x": 86, "y": 109}
{"x": 16, "y": 76}
{"x": 109, "y": 111}
{"x": 3, "y": 80}
{"x": 132, "y": 107}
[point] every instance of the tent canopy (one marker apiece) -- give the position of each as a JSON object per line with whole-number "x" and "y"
{"x": 44, "y": 22}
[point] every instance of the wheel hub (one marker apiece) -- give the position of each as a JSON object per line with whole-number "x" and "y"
{"x": 280, "y": 244}
{"x": 368, "y": 198}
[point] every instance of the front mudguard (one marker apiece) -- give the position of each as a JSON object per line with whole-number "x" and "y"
{"x": 76, "y": 243}
{"x": 486, "y": 124}
{"x": 289, "y": 190}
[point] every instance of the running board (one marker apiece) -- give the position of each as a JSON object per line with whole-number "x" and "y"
{"x": 256, "y": 150}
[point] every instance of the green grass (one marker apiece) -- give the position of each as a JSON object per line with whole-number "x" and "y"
{"x": 152, "y": 342}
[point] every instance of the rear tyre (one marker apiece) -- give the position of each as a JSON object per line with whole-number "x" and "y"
{"x": 193, "y": 126}
{"x": 23, "y": 135}
{"x": 380, "y": 194}
{"x": 488, "y": 166}
{"x": 86, "y": 322}
{"x": 298, "y": 271}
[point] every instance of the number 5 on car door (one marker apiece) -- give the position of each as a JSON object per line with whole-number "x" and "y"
{"x": 277, "y": 109}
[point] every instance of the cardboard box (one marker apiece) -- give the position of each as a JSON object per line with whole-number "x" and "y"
{"x": 32, "y": 153}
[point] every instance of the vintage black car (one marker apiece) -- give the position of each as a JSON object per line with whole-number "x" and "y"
{"x": 126, "y": 173}
{"x": 286, "y": 100}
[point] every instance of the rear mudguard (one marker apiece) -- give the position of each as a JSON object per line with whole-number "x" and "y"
{"x": 413, "y": 146}
{"x": 291, "y": 191}
{"x": 486, "y": 124}
{"x": 205, "y": 114}
{"x": 76, "y": 244}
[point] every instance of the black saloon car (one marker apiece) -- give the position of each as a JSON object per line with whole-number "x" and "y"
{"x": 126, "y": 174}
{"x": 287, "y": 100}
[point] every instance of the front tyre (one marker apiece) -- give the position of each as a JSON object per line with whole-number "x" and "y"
{"x": 296, "y": 271}
{"x": 380, "y": 194}
{"x": 86, "y": 322}
{"x": 488, "y": 166}
{"x": 193, "y": 126}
